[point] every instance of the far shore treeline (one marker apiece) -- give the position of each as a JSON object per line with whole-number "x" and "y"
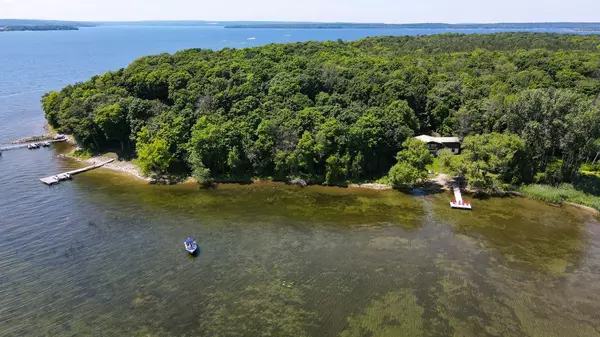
{"x": 336, "y": 112}
{"x": 574, "y": 26}
{"x": 24, "y": 28}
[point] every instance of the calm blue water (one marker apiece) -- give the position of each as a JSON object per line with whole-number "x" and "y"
{"x": 103, "y": 255}
{"x": 32, "y": 63}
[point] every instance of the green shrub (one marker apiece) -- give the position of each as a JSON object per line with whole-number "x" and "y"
{"x": 557, "y": 195}
{"x": 83, "y": 154}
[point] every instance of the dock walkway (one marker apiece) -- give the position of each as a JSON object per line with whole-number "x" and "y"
{"x": 24, "y": 145}
{"x": 55, "y": 179}
{"x": 458, "y": 200}
{"x": 457, "y": 195}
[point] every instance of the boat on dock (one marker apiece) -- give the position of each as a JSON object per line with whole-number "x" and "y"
{"x": 458, "y": 202}
{"x": 31, "y": 146}
{"x": 190, "y": 245}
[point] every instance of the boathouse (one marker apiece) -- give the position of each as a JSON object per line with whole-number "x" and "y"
{"x": 435, "y": 144}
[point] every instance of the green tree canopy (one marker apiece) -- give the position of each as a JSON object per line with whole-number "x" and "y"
{"x": 489, "y": 160}
{"x": 412, "y": 162}
{"x": 338, "y": 112}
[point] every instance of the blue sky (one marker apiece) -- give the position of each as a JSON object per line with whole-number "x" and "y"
{"x": 389, "y": 11}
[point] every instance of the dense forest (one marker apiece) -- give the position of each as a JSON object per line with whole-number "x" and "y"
{"x": 334, "y": 112}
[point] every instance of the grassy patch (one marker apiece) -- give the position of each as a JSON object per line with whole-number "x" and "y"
{"x": 82, "y": 154}
{"x": 436, "y": 166}
{"x": 557, "y": 195}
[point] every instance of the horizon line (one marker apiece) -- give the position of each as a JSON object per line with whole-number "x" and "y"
{"x": 311, "y": 22}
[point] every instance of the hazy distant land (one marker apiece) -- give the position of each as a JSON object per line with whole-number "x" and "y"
{"x": 581, "y": 26}
{"x": 37, "y": 28}
{"x": 572, "y": 26}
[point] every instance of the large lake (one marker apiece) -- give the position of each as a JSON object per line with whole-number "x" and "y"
{"x": 103, "y": 255}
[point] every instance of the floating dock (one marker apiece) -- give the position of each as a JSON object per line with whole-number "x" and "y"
{"x": 68, "y": 175}
{"x": 25, "y": 145}
{"x": 458, "y": 201}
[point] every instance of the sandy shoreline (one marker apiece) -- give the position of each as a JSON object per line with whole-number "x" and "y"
{"x": 128, "y": 167}
{"x": 125, "y": 167}
{"x": 583, "y": 207}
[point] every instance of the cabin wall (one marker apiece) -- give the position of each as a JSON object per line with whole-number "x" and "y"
{"x": 435, "y": 148}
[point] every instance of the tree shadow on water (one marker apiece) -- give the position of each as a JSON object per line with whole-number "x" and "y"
{"x": 425, "y": 189}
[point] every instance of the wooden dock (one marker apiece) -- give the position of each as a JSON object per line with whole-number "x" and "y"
{"x": 68, "y": 175}
{"x": 457, "y": 195}
{"x": 24, "y": 145}
{"x": 458, "y": 200}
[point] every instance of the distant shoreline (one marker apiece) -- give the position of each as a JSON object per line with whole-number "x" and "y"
{"x": 576, "y": 26}
{"x": 37, "y": 28}
{"x": 490, "y": 26}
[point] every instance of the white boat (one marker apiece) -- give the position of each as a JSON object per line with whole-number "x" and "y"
{"x": 458, "y": 202}
{"x": 33, "y": 146}
{"x": 46, "y": 144}
{"x": 190, "y": 245}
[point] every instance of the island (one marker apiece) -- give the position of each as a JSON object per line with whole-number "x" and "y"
{"x": 23, "y": 28}
{"x": 523, "y": 107}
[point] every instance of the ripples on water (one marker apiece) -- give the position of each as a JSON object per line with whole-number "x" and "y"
{"x": 102, "y": 255}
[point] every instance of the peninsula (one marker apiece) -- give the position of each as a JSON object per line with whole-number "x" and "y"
{"x": 336, "y": 113}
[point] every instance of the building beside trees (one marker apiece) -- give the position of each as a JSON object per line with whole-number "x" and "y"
{"x": 339, "y": 112}
{"x": 436, "y": 144}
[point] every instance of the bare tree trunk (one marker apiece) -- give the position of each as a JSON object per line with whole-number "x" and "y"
{"x": 596, "y": 157}
{"x": 96, "y": 142}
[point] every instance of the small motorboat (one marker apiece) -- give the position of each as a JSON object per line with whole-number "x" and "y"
{"x": 46, "y": 144}
{"x": 190, "y": 245}
{"x": 33, "y": 146}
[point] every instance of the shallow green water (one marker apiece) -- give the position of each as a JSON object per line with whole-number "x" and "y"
{"x": 103, "y": 256}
